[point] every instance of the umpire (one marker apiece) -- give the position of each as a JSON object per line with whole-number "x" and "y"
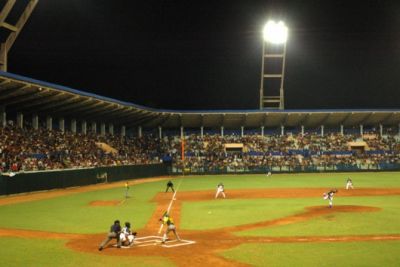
{"x": 115, "y": 230}
{"x": 170, "y": 185}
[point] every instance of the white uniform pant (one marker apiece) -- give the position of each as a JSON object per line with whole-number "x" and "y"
{"x": 220, "y": 191}
{"x": 349, "y": 185}
{"x": 123, "y": 238}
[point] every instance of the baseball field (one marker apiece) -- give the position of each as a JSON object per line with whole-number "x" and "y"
{"x": 281, "y": 220}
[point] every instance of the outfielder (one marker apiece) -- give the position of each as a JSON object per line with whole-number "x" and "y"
{"x": 167, "y": 220}
{"x": 329, "y": 196}
{"x": 126, "y": 190}
{"x": 220, "y": 190}
{"x": 349, "y": 184}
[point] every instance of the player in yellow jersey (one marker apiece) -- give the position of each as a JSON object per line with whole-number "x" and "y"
{"x": 169, "y": 222}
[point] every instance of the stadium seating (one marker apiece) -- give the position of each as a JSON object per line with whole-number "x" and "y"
{"x": 31, "y": 150}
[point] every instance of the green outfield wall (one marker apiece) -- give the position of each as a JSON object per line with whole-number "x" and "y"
{"x": 23, "y": 182}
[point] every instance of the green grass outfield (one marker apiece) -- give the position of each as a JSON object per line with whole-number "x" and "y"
{"x": 72, "y": 214}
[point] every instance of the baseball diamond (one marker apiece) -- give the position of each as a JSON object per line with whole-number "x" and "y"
{"x": 213, "y": 239}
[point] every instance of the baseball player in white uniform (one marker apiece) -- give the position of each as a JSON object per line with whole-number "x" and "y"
{"x": 329, "y": 196}
{"x": 126, "y": 236}
{"x": 349, "y": 184}
{"x": 220, "y": 190}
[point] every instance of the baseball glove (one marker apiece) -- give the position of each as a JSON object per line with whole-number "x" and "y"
{"x": 134, "y": 233}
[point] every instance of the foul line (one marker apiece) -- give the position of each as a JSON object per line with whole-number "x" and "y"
{"x": 170, "y": 204}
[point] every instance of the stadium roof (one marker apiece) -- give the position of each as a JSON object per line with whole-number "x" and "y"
{"x": 29, "y": 96}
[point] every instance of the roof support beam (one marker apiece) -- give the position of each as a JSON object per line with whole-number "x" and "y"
{"x": 367, "y": 117}
{"x": 244, "y": 119}
{"x": 285, "y": 119}
{"x": 4, "y": 93}
{"x": 132, "y": 115}
{"x": 143, "y": 120}
{"x": 22, "y": 98}
{"x": 59, "y": 103}
{"x": 164, "y": 119}
{"x": 324, "y": 119}
{"x": 345, "y": 119}
{"x": 387, "y": 118}
{"x": 15, "y": 30}
{"x": 264, "y": 120}
{"x": 94, "y": 109}
{"x": 80, "y": 101}
{"x": 109, "y": 113}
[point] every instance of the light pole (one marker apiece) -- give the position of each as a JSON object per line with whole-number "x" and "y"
{"x": 274, "y": 53}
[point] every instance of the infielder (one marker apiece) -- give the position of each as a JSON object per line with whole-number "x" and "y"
{"x": 127, "y": 236}
{"x": 220, "y": 190}
{"x": 329, "y": 196}
{"x": 167, "y": 220}
{"x": 349, "y": 184}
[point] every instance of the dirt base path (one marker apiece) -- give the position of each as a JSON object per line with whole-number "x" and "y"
{"x": 209, "y": 243}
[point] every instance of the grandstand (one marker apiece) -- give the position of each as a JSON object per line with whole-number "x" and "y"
{"x": 84, "y": 131}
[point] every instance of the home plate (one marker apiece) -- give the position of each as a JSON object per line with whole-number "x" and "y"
{"x": 157, "y": 241}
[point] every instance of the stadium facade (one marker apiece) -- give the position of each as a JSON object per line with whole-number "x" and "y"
{"x": 56, "y": 106}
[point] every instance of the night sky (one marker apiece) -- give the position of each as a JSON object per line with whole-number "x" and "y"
{"x": 207, "y": 54}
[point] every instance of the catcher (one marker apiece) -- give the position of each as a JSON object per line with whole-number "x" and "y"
{"x": 329, "y": 196}
{"x": 167, "y": 220}
{"x": 126, "y": 236}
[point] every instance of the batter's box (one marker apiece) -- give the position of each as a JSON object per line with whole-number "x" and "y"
{"x": 157, "y": 241}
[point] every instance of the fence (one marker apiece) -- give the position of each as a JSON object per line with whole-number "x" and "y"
{"x": 44, "y": 180}
{"x": 290, "y": 169}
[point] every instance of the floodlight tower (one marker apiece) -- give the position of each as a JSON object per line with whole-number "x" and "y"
{"x": 13, "y": 30}
{"x": 274, "y": 54}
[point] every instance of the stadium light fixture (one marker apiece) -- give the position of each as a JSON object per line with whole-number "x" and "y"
{"x": 275, "y": 35}
{"x": 275, "y": 32}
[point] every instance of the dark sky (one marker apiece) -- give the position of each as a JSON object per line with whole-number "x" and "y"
{"x": 207, "y": 54}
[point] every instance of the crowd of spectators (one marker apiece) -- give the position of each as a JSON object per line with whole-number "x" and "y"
{"x": 31, "y": 149}
{"x": 285, "y": 151}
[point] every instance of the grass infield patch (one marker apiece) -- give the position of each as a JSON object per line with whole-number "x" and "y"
{"x": 225, "y": 212}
